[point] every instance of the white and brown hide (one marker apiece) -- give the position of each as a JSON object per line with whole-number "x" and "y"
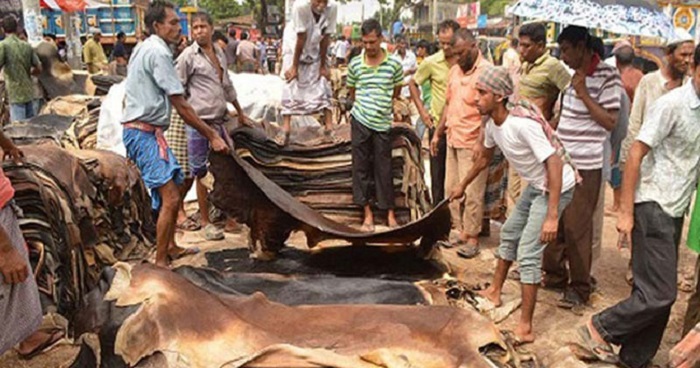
{"x": 193, "y": 327}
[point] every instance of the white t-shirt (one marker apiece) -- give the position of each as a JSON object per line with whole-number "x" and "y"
{"x": 526, "y": 147}
{"x": 408, "y": 63}
{"x": 341, "y": 49}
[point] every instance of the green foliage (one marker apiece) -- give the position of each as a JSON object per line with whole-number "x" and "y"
{"x": 221, "y": 9}
{"x": 494, "y": 7}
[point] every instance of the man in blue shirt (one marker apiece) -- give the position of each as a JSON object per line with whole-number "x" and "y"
{"x": 152, "y": 86}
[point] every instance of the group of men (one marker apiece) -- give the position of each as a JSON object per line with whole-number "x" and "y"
{"x": 553, "y": 120}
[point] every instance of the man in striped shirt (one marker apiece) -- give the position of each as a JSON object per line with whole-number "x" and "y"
{"x": 590, "y": 109}
{"x": 374, "y": 80}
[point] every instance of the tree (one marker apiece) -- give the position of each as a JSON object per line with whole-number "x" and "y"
{"x": 494, "y": 7}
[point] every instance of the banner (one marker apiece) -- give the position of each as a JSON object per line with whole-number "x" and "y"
{"x": 64, "y": 5}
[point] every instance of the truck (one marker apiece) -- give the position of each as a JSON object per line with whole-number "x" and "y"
{"x": 111, "y": 17}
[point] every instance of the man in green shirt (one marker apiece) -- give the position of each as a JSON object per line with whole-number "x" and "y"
{"x": 374, "y": 81}
{"x": 19, "y": 62}
{"x": 93, "y": 53}
{"x": 435, "y": 69}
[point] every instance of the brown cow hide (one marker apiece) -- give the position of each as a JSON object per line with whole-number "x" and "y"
{"x": 196, "y": 328}
{"x": 271, "y": 213}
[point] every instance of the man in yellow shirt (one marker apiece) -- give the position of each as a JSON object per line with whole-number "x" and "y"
{"x": 93, "y": 53}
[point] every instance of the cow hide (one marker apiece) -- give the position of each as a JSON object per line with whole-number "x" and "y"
{"x": 170, "y": 319}
{"x": 272, "y": 214}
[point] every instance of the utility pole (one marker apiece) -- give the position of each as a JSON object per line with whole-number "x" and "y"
{"x": 74, "y": 49}
{"x": 435, "y": 17}
{"x": 31, "y": 13}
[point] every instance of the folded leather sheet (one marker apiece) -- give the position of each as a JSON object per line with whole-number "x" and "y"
{"x": 272, "y": 213}
{"x": 311, "y": 167}
{"x": 140, "y": 322}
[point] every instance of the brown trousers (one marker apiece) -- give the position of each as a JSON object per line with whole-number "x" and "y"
{"x": 575, "y": 239}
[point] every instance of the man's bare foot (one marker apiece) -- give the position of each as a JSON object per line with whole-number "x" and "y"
{"x": 367, "y": 226}
{"x": 391, "y": 221}
{"x": 176, "y": 252}
{"x": 493, "y": 295}
{"x": 163, "y": 262}
{"x": 524, "y": 334}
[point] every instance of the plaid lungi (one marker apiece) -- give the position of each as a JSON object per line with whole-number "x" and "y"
{"x": 177, "y": 141}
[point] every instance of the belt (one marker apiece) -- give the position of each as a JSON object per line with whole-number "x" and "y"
{"x": 157, "y": 131}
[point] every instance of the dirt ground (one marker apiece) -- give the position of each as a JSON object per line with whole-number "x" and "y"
{"x": 555, "y": 327}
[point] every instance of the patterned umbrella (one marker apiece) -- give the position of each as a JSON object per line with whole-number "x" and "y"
{"x": 629, "y": 17}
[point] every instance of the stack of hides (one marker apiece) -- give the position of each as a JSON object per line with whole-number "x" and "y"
{"x": 319, "y": 174}
{"x": 84, "y": 112}
{"x": 82, "y": 210}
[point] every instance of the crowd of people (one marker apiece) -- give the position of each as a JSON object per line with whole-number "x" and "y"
{"x": 556, "y": 130}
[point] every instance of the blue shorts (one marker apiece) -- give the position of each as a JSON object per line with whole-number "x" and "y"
{"x": 142, "y": 149}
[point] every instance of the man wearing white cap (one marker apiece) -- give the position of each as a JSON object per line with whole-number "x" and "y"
{"x": 93, "y": 53}
{"x": 679, "y": 55}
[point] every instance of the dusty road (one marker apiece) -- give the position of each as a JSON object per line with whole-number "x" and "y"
{"x": 554, "y": 327}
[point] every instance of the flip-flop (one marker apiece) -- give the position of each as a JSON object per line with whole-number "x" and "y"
{"x": 54, "y": 338}
{"x": 189, "y": 224}
{"x": 184, "y": 253}
{"x": 513, "y": 339}
{"x": 604, "y": 352}
{"x": 468, "y": 251}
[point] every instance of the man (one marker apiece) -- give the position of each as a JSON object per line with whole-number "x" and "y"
{"x": 19, "y": 62}
{"x": 374, "y": 81}
{"x": 220, "y": 40}
{"x": 511, "y": 58}
{"x": 408, "y": 61}
{"x": 247, "y": 56}
{"x": 341, "y": 51}
{"x": 520, "y": 134}
{"x": 271, "y": 50}
{"x": 262, "y": 56}
{"x": 436, "y": 69}
{"x": 679, "y": 54}
{"x": 630, "y": 77}
{"x": 232, "y": 50}
{"x": 93, "y": 53}
{"x": 542, "y": 78}
{"x": 305, "y": 65}
{"x": 119, "y": 54}
{"x": 422, "y": 51}
{"x": 589, "y": 111}
{"x": 462, "y": 121}
{"x": 151, "y": 87}
{"x": 659, "y": 180}
{"x": 201, "y": 69}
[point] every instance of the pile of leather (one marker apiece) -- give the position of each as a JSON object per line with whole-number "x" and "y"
{"x": 84, "y": 112}
{"x": 82, "y": 210}
{"x": 319, "y": 173}
{"x": 135, "y": 318}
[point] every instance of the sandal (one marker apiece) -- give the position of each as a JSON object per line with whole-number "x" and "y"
{"x": 467, "y": 251}
{"x": 513, "y": 339}
{"x": 183, "y": 252}
{"x": 190, "y": 224}
{"x": 444, "y": 244}
{"x": 213, "y": 233}
{"x": 604, "y": 352}
{"x": 282, "y": 138}
{"x": 54, "y": 337}
{"x": 570, "y": 300}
